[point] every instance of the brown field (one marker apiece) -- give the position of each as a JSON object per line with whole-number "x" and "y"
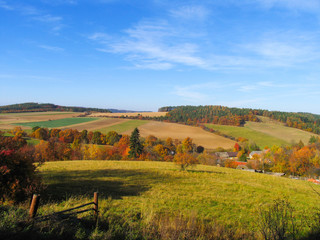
{"x": 144, "y": 114}
{"x": 178, "y": 131}
{"x": 98, "y": 124}
{"x": 7, "y": 119}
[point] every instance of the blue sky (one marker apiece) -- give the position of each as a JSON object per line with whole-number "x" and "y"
{"x": 144, "y": 54}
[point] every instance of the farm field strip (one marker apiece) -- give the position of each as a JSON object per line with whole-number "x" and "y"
{"x": 261, "y": 139}
{"x": 135, "y": 114}
{"x": 164, "y": 130}
{"x": 35, "y": 113}
{"x": 57, "y": 123}
{"x": 17, "y": 118}
{"x": 98, "y": 124}
{"x": 124, "y": 127}
{"x": 280, "y": 131}
{"x": 229, "y": 195}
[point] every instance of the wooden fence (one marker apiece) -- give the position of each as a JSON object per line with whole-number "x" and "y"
{"x": 65, "y": 213}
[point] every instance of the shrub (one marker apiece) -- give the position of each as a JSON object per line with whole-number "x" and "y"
{"x": 17, "y": 170}
{"x": 276, "y": 221}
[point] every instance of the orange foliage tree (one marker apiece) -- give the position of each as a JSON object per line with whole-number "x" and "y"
{"x": 184, "y": 160}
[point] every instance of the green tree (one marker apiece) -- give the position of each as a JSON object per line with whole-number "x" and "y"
{"x": 136, "y": 147}
{"x": 112, "y": 137}
{"x": 96, "y": 138}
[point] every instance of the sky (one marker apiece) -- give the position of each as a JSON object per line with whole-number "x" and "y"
{"x": 145, "y": 54}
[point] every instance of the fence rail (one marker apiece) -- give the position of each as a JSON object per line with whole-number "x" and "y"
{"x": 65, "y": 213}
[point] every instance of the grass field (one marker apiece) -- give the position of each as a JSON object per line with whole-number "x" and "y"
{"x": 265, "y": 133}
{"x": 126, "y": 126}
{"x": 57, "y": 123}
{"x": 230, "y": 196}
{"x": 261, "y": 139}
{"x": 155, "y": 200}
{"x": 278, "y": 130}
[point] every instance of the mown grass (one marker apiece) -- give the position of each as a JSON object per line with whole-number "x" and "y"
{"x": 155, "y": 200}
{"x": 57, "y": 123}
{"x": 123, "y": 127}
{"x": 260, "y": 138}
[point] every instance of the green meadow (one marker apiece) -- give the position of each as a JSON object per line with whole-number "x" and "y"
{"x": 57, "y": 123}
{"x": 260, "y": 138}
{"x": 155, "y": 200}
{"x": 265, "y": 133}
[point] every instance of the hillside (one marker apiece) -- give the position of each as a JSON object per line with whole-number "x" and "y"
{"x": 45, "y": 107}
{"x": 230, "y": 197}
{"x": 265, "y": 133}
{"x": 193, "y": 115}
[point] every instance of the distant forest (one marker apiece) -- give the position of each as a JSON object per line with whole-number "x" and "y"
{"x": 44, "y": 107}
{"x": 195, "y": 115}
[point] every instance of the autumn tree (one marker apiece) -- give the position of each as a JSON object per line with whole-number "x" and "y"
{"x": 136, "y": 147}
{"x": 96, "y": 138}
{"x": 184, "y": 160}
{"x": 187, "y": 145}
{"x": 18, "y": 176}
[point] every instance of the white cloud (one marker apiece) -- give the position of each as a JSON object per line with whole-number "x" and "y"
{"x": 35, "y": 14}
{"x": 189, "y": 94}
{"x": 190, "y": 13}
{"x": 155, "y": 43}
{"x": 48, "y": 18}
{"x": 306, "y": 5}
{"x": 51, "y": 48}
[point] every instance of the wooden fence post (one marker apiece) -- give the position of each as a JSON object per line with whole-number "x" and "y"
{"x": 96, "y": 206}
{"x": 34, "y": 205}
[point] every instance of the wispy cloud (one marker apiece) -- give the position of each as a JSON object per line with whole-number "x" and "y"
{"x": 309, "y": 5}
{"x": 60, "y": 2}
{"x": 155, "y": 43}
{"x": 51, "y": 48}
{"x": 189, "y": 94}
{"x": 162, "y": 44}
{"x": 190, "y": 13}
{"x": 35, "y": 14}
{"x": 4, "y": 5}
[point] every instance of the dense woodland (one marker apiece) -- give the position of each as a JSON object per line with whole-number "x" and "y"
{"x": 193, "y": 115}
{"x": 44, "y": 107}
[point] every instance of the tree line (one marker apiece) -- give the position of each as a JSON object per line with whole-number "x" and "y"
{"x": 44, "y": 107}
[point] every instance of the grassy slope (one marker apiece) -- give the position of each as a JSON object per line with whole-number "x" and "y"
{"x": 231, "y": 196}
{"x": 123, "y": 127}
{"x": 265, "y": 133}
{"x": 57, "y": 123}
{"x": 278, "y": 130}
{"x": 261, "y": 139}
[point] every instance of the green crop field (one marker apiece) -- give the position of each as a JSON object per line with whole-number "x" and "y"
{"x": 123, "y": 127}
{"x": 57, "y": 123}
{"x": 261, "y": 139}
